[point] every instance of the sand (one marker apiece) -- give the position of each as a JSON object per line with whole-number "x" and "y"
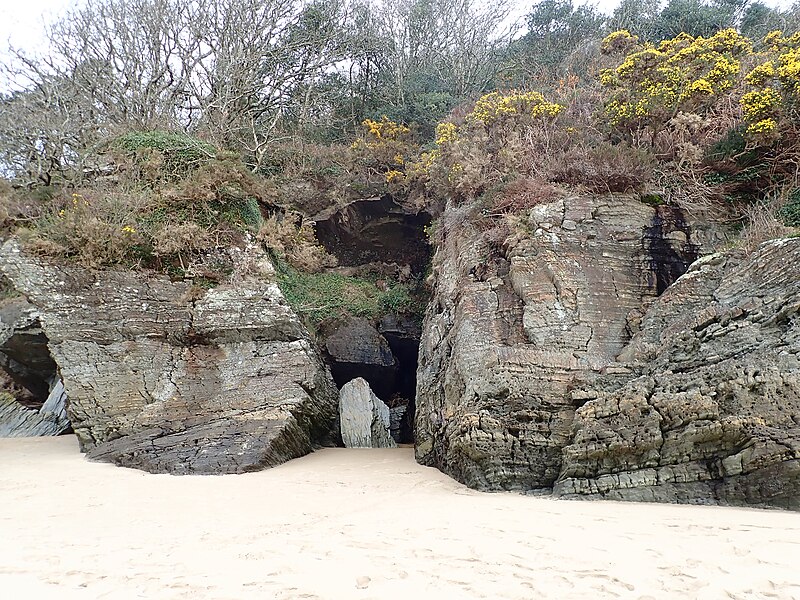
{"x": 359, "y": 524}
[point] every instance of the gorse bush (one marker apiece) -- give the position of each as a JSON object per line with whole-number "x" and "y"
{"x": 771, "y": 108}
{"x": 653, "y": 84}
{"x": 496, "y": 107}
{"x": 385, "y": 145}
{"x": 484, "y": 147}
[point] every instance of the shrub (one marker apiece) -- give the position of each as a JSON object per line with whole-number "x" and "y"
{"x": 604, "y": 168}
{"x": 496, "y": 107}
{"x": 292, "y": 238}
{"x": 385, "y": 145}
{"x": 163, "y": 154}
{"x": 652, "y": 84}
{"x": 96, "y": 230}
{"x": 770, "y": 108}
{"x": 182, "y": 240}
{"x": 486, "y": 147}
{"x": 522, "y": 194}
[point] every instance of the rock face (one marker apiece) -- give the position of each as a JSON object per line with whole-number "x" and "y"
{"x": 355, "y": 349}
{"x": 714, "y": 415}
{"x": 166, "y": 377}
{"x": 364, "y": 417}
{"x": 512, "y": 332}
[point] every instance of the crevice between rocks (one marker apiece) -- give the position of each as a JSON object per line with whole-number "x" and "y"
{"x": 378, "y": 235}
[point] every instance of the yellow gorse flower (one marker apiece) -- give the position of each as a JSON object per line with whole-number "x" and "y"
{"x": 493, "y": 107}
{"x": 684, "y": 73}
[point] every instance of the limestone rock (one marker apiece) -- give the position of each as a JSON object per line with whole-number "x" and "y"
{"x": 511, "y": 332}
{"x": 714, "y": 416}
{"x": 364, "y": 417}
{"x": 166, "y": 377}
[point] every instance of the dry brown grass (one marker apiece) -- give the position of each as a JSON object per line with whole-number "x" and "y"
{"x": 603, "y": 168}
{"x": 762, "y": 224}
{"x": 523, "y": 194}
{"x": 294, "y": 239}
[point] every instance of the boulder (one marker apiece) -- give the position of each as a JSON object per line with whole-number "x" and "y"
{"x": 364, "y": 417}
{"x": 711, "y": 413}
{"x": 166, "y": 376}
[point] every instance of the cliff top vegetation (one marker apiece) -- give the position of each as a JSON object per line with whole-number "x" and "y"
{"x": 157, "y": 133}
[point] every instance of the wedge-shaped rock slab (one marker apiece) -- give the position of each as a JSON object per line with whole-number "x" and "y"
{"x": 364, "y": 417}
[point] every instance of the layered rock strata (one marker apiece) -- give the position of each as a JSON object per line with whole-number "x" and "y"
{"x": 714, "y": 415}
{"x": 51, "y": 418}
{"x": 520, "y": 318}
{"x": 167, "y": 377}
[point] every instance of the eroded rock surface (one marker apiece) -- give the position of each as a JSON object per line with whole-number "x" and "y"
{"x": 355, "y": 349}
{"x": 166, "y": 377}
{"x": 17, "y": 420}
{"x": 511, "y": 332}
{"x": 364, "y": 417}
{"x": 714, "y": 413}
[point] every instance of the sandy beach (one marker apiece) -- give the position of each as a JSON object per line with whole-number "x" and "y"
{"x": 360, "y": 524}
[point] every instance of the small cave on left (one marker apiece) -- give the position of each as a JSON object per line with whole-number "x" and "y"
{"x": 32, "y": 397}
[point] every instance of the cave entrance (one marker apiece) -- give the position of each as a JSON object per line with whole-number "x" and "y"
{"x": 385, "y": 355}
{"x": 382, "y": 239}
{"x": 32, "y": 397}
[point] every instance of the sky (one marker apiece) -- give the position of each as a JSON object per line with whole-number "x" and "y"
{"x": 21, "y": 20}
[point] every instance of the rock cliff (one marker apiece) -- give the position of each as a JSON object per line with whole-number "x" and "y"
{"x": 167, "y": 377}
{"x": 510, "y": 332}
{"x": 714, "y": 414}
{"x": 569, "y": 357}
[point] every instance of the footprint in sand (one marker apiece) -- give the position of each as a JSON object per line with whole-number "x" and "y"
{"x": 362, "y": 582}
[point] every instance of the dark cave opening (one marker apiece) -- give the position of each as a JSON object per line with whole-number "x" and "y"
{"x": 667, "y": 241}
{"x": 376, "y": 230}
{"x": 379, "y": 235}
{"x": 34, "y": 401}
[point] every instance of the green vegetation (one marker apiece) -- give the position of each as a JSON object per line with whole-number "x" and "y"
{"x": 174, "y": 154}
{"x": 319, "y": 297}
{"x": 789, "y": 213}
{"x": 675, "y": 103}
